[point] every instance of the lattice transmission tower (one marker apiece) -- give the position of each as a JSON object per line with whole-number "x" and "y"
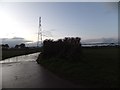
{"x": 39, "y": 33}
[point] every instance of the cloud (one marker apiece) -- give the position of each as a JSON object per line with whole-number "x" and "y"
{"x": 13, "y": 41}
{"x": 100, "y": 40}
{"x": 33, "y": 44}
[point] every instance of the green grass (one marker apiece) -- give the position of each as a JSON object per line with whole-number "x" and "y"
{"x": 98, "y": 68}
{"x": 8, "y": 53}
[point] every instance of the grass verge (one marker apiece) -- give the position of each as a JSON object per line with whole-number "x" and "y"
{"x": 98, "y": 68}
{"x": 8, "y": 53}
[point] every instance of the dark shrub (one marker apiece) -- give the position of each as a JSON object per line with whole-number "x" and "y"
{"x": 5, "y": 46}
{"x": 67, "y": 48}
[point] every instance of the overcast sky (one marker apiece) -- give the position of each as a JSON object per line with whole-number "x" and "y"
{"x": 88, "y": 20}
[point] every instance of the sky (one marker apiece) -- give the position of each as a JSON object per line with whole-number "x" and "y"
{"x": 59, "y": 0}
{"x": 88, "y": 20}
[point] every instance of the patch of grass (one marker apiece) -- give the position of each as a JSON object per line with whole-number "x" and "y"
{"x": 98, "y": 68}
{"x": 8, "y": 53}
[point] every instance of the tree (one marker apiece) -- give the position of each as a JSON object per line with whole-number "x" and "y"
{"x": 5, "y": 46}
{"x": 22, "y": 45}
{"x": 67, "y": 48}
{"x": 17, "y": 46}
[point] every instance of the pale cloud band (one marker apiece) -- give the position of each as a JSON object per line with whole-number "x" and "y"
{"x": 14, "y": 41}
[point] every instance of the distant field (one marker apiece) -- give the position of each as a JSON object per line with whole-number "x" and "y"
{"x": 98, "y": 67}
{"x": 7, "y": 53}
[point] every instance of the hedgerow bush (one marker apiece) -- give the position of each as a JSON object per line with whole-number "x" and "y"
{"x": 67, "y": 48}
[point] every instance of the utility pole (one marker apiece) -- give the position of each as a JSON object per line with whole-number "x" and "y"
{"x": 39, "y": 33}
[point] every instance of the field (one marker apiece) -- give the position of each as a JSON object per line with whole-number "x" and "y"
{"x": 7, "y": 53}
{"x": 98, "y": 67}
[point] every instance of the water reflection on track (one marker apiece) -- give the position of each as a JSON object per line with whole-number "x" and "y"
{"x": 24, "y": 72}
{"x": 29, "y": 57}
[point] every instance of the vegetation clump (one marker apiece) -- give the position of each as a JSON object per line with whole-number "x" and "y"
{"x": 67, "y": 48}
